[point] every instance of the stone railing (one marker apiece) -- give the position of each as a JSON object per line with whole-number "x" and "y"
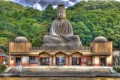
{"x": 86, "y": 48}
{"x": 58, "y": 48}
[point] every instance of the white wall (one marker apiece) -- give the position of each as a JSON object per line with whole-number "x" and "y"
{"x": 116, "y": 52}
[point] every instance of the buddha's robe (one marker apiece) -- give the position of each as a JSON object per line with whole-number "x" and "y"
{"x": 61, "y": 33}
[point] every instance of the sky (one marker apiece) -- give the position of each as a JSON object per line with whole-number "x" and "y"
{"x": 42, "y": 4}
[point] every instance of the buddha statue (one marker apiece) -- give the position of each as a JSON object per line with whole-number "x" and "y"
{"x": 61, "y": 33}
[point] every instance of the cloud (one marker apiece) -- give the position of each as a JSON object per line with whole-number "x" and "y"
{"x": 42, "y": 4}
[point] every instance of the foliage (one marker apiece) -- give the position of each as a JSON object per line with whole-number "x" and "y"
{"x": 49, "y": 14}
{"x": 3, "y": 47}
{"x": 2, "y": 68}
{"x": 117, "y": 69}
{"x": 89, "y": 20}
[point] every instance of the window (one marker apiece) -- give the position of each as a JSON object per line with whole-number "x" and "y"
{"x": 12, "y": 58}
{"x": 33, "y": 60}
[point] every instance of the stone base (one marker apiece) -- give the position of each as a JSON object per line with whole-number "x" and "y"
{"x": 73, "y": 46}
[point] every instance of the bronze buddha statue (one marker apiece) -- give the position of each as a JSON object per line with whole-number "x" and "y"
{"x": 61, "y": 33}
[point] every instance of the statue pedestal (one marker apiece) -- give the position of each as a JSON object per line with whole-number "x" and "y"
{"x": 72, "y": 46}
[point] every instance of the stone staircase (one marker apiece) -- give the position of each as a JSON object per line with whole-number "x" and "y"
{"x": 60, "y": 71}
{"x": 52, "y": 69}
{"x": 10, "y": 70}
{"x": 67, "y": 69}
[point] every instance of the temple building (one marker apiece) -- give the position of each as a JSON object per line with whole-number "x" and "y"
{"x": 3, "y": 56}
{"x": 98, "y": 54}
{"x": 60, "y": 48}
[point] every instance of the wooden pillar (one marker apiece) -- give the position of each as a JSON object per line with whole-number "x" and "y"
{"x": 50, "y": 61}
{"x": 54, "y": 60}
{"x": 70, "y": 60}
{"x": 67, "y": 60}
{"x": 38, "y": 60}
{"x": 96, "y": 61}
{"x": 12, "y": 61}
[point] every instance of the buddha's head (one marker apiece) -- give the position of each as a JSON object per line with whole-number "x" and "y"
{"x": 61, "y": 13}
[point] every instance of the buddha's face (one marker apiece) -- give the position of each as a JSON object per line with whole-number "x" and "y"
{"x": 61, "y": 15}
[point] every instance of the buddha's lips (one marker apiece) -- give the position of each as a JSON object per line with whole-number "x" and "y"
{"x": 42, "y": 4}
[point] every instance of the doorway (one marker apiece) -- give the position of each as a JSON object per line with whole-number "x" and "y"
{"x": 76, "y": 61}
{"x": 18, "y": 61}
{"x": 76, "y": 58}
{"x": 103, "y": 61}
{"x": 44, "y": 60}
{"x": 60, "y": 61}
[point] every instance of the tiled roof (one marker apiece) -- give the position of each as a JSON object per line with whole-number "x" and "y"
{"x": 3, "y": 55}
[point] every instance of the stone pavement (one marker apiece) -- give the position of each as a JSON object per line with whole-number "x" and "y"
{"x": 84, "y": 71}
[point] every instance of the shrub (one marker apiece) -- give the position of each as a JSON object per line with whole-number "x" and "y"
{"x": 1, "y": 71}
{"x": 117, "y": 69}
{"x": 2, "y": 68}
{"x": 114, "y": 68}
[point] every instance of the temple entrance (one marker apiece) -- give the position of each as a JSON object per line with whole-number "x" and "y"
{"x": 103, "y": 61}
{"x": 76, "y": 58}
{"x": 44, "y": 59}
{"x": 76, "y": 61}
{"x": 60, "y": 59}
{"x": 18, "y": 61}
